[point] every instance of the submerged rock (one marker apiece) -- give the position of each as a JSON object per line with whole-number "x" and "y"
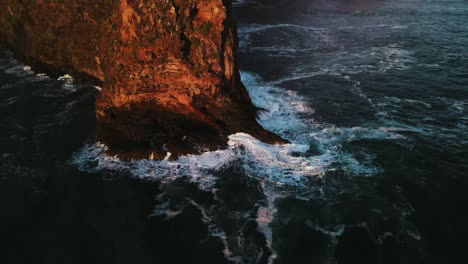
{"x": 168, "y": 69}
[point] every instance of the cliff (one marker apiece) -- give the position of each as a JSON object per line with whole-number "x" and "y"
{"x": 168, "y": 68}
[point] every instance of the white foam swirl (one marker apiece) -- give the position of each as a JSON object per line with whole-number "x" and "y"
{"x": 288, "y": 164}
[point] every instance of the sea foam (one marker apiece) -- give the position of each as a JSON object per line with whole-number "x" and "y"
{"x": 281, "y": 170}
{"x": 288, "y": 164}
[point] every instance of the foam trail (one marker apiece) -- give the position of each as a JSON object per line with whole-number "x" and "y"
{"x": 252, "y": 28}
{"x": 265, "y": 216}
{"x": 287, "y": 164}
{"x": 280, "y": 169}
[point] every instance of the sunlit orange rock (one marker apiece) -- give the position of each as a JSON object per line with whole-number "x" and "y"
{"x": 168, "y": 68}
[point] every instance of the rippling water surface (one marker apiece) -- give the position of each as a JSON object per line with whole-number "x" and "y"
{"x": 371, "y": 94}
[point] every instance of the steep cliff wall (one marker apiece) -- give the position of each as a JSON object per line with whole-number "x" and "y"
{"x": 168, "y": 68}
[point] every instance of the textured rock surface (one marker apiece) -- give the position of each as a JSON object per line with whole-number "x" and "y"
{"x": 168, "y": 68}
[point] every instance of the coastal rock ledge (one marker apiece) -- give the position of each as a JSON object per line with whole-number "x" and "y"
{"x": 168, "y": 68}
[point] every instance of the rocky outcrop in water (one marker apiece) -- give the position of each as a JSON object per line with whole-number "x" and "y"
{"x": 168, "y": 68}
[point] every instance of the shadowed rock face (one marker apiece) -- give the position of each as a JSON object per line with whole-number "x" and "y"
{"x": 168, "y": 68}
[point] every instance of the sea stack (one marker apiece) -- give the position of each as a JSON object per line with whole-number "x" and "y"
{"x": 168, "y": 68}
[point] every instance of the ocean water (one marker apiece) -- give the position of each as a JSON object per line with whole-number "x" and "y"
{"x": 373, "y": 96}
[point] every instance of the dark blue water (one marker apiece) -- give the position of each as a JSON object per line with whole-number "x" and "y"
{"x": 373, "y": 96}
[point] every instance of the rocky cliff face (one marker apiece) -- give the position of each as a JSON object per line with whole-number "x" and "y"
{"x": 167, "y": 67}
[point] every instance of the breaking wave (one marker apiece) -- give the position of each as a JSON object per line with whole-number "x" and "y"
{"x": 289, "y": 170}
{"x": 315, "y": 148}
